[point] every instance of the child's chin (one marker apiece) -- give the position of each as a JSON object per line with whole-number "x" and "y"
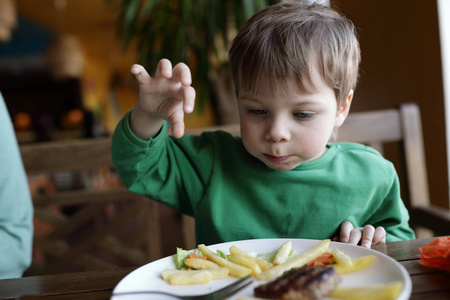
{"x": 280, "y": 167}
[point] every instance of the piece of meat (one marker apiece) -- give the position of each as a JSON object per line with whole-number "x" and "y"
{"x": 308, "y": 282}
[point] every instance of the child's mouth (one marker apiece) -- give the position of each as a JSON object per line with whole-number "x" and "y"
{"x": 276, "y": 159}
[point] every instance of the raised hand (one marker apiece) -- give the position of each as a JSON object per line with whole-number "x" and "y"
{"x": 166, "y": 96}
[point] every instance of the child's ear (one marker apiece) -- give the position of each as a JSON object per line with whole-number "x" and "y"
{"x": 343, "y": 111}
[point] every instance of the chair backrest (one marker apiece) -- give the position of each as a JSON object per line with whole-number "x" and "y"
{"x": 376, "y": 129}
{"x": 84, "y": 218}
{"x": 403, "y": 126}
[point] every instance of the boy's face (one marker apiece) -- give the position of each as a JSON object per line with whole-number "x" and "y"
{"x": 288, "y": 127}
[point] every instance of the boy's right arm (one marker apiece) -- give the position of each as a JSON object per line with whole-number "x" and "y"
{"x": 166, "y": 96}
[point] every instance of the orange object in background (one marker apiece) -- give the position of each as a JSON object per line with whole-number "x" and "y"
{"x": 436, "y": 254}
{"x": 22, "y": 121}
{"x": 73, "y": 119}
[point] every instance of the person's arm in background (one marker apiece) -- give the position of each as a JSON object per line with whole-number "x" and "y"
{"x": 16, "y": 209}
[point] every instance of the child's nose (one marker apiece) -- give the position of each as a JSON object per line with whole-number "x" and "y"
{"x": 278, "y": 131}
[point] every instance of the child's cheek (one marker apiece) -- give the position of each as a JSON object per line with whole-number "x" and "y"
{"x": 248, "y": 136}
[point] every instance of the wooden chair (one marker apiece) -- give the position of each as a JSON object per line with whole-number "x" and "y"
{"x": 377, "y": 128}
{"x": 404, "y": 127}
{"x": 101, "y": 226}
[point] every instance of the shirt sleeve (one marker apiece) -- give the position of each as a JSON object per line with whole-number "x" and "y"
{"x": 16, "y": 210}
{"x": 162, "y": 168}
{"x": 393, "y": 215}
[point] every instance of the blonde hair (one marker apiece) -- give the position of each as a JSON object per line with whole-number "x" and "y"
{"x": 287, "y": 40}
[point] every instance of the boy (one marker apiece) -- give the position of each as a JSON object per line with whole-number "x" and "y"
{"x": 295, "y": 67}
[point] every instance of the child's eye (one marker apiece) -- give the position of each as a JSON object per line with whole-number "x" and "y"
{"x": 257, "y": 112}
{"x": 304, "y": 115}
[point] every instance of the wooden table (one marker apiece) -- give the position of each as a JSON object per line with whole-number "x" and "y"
{"x": 427, "y": 283}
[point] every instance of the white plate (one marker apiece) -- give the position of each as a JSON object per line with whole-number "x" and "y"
{"x": 148, "y": 277}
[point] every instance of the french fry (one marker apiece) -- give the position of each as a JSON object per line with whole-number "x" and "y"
{"x": 283, "y": 253}
{"x": 358, "y": 264}
{"x": 295, "y": 262}
{"x": 217, "y": 273}
{"x": 235, "y": 269}
{"x": 190, "y": 277}
{"x": 372, "y": 292}
{"x": 246, "y": 262}
{"x": 200, "y": 264}
{"x": 263, "y": 264}
{"x": 341, "y": 258}
{"x": 169, "y": 272}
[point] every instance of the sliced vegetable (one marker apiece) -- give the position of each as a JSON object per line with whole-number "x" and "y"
{"x": 324, "y": 259}
{"x": 180, "y": 257}
{"x": 221, "y": 254}
{"x": 283, "y": 253}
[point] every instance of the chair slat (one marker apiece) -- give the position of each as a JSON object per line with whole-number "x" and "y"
{"x": 66, "y": 155}
{"x": 49, "y": 216}
{"x": 415, "y": 155}
{"x": 369, "y": 127}
{"x": 79, "y": 197}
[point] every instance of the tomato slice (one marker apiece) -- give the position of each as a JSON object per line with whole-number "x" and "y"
{"x": 324, "y": 259}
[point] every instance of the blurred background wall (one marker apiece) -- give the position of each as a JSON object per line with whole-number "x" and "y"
{"x": 401, "y": 62}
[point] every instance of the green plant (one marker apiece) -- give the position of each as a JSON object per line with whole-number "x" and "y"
{"x": 197, "y": 32}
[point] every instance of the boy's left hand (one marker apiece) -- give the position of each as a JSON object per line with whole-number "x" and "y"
{"x": 367, "y": 235}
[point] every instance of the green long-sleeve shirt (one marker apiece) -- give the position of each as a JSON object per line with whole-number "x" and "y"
{"x": 16, "y": 209}
{"x": 234, "y": 196}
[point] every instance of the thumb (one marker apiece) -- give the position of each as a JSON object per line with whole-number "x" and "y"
{"x": 140, "y": 73}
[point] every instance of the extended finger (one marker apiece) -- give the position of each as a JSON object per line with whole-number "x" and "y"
{"x": 367, "y": 236}
{"x": 176, "y": 119}
{"x": 379, "y": 235}
{"x": 346, "y": 228}
{"x": 188, "y": 99}
{"x": 182, "y": 73}
{"x": 140, "y": 73}
{"x": 164, "y": 69}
